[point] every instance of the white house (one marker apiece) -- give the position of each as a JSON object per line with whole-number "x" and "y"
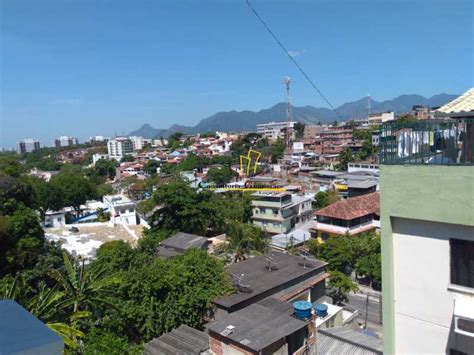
{"x": 121, "y": 208}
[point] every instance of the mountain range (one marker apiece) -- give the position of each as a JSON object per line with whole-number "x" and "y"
{"x": 248, "y": 120}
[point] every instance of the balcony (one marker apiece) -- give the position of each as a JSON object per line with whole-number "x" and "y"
{"x": 430, "y": 142}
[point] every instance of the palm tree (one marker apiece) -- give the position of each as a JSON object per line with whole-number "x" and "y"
{"x": 245, "y": 239}
{"x": 84, "y": 288}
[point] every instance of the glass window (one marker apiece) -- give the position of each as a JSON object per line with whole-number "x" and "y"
{"x": 462, "y": 262}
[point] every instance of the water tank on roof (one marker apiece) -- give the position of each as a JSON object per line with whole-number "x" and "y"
{"x": 321, "y": 310}
{"x": 302, "y": 309}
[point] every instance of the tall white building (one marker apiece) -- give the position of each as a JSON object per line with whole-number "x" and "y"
{"x": 139, "y": 142}
{"x": 65, "y": 141}
{"x": 273, "y": 130}
{"x": 118, "y": 147}
{"x": 27, "y": 145}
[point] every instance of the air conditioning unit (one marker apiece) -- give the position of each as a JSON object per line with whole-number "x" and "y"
{"x": 464, "y": 317}
{"x": 464, "y": 326}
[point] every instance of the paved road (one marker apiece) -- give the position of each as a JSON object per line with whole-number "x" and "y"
{"x": 359, "y": 302}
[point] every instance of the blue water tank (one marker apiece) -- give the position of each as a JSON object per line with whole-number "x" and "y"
{"x": 302, "y": 309}
{"x": 321, "y": 310}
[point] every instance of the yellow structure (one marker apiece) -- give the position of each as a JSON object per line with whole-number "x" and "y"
{"x": 248, "y": 158}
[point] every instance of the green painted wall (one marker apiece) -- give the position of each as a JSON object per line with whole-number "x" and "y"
{"x": 433, "y": 193}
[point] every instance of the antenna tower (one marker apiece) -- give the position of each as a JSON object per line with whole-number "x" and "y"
{"x": 288, "y": 112}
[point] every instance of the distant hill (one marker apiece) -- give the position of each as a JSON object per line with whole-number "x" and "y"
{"x": 248, "y": 120}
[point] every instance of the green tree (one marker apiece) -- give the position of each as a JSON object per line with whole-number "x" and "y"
{"x": 159, "y": 295}
{"x": 244, "y": 239}
{"x": 278, "y": 149}
{"x": 76, "y": 189}
{"x": 105, "y": 167}
{"x": 49, "y": 196}
{"x": 339, "y": 286}
{"x": 181, "y": 208}
{"x": 345, "y": 158}
{"x": 127, "y": 158}
{"x": 151, "y": 166}
{"x": 325, "y": 198}
{"x": 85, "y": 288}
{"x": 221, "y": 176}
{"x": 21, "y": 240}
{"x": 299, "y": 130}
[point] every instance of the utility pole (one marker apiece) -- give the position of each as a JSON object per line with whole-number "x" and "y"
{"x": 366, "y": 310}
{"x": 288, "y": 113}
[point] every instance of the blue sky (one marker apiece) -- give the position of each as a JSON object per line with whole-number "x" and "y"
{"x": 95, "y": 67}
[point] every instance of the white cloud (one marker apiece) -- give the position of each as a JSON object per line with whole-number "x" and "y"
{"x": 297, "y": 53}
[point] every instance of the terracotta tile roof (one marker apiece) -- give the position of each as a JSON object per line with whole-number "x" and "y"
{"x": 352, "y": 207}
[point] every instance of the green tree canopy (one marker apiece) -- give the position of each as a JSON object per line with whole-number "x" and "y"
{"x": 221, "y": 176}
{"x": 299, "y": 130}
{"x": 76, "y": 189}
{"x": 325, "y": 198}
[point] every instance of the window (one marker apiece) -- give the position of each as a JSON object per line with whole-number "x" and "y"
{"x": 462, "y": 262}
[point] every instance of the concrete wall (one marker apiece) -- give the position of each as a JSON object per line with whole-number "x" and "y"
{"x": 443, "y": 194}
{"x": 423, "y": 304}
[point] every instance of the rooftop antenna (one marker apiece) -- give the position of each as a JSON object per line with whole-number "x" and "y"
{"x": 271, "y": 263}
{"x": 288, "y": 112}
{"x": 238, "y": 283}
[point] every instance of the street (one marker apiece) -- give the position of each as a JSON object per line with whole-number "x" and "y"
{"x": 358, "y": 301}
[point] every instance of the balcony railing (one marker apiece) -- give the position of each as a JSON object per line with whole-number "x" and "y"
{"x": 438, "y": 142}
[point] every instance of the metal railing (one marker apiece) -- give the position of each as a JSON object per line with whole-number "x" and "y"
{"x": 438, "y": 142}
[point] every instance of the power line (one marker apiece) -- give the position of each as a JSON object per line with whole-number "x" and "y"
{"x": 291, "y": 58}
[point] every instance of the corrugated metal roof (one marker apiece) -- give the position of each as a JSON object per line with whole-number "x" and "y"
{"x": 343, "y": 340}
{"x": 464, "y": 103}
{"x": 182, "y": 340}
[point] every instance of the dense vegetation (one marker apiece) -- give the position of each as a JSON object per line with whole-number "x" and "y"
{"x": 347, "y": 254}
{"x": 123, "y": 298}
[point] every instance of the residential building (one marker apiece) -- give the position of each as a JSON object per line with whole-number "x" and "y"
{"x": 97, "y": 156}
{"x": 119, "y": 147}
{"x": 179, "y": 243}
{"x": 350, "y": 216}
{"x": 278, "y": 275}
{"x": 274, "y": 130}
{"x": 45, "y": 175}
{"x": 363, "y": 166}
{"x": 427, "y": 216}
{"x": 27, "y": 145}
{"x": 139, "y": 142}
{"x": 121, "y": 208}
{"x": 421, "y": 112}
{"x": 294, "y": 239}
{"x": 273, "y": 212}
{"x": 23, "y": 333}
{"x": 312, "y": 131}
{"x": 378, "y": 118}
{"x": 65, "y": 141}
{"x": 98, "y": 139}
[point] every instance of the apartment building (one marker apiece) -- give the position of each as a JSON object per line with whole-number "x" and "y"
{"x": 274, "y": 130}
{"x": 280, "y": 212}
{"x": 273, "y": 212}
{"x": 65, "y": 141}
{"x": 119, "y": 147}
{"x": 27, "y": 145}
{"x": 139, "y": 142}
{"x": 427, "y": 217}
